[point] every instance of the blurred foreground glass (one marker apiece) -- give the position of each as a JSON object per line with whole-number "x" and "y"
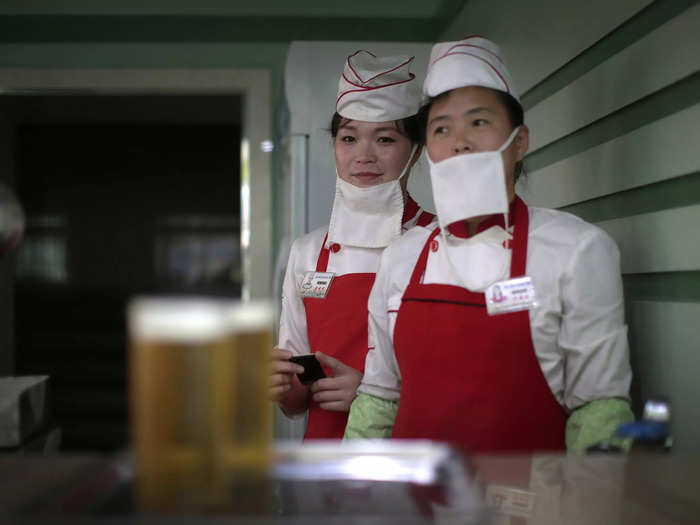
{"x": 201, "y": 421}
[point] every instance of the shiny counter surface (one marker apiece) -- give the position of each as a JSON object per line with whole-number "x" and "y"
{"x": 315, "y": 485}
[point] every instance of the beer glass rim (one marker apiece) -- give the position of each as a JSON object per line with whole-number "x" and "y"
{"x": 184, "y": 319}
{"x": 257, "y": 314}
{"x": 195, "y": 319}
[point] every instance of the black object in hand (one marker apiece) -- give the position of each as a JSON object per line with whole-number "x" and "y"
{"x": 312, "y": 368}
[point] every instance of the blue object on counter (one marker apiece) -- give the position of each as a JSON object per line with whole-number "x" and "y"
{"x": 645, "y": 431}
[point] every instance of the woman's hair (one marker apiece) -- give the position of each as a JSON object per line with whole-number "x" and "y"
{"x": 513, "y": 109}
{"x": 408, "y": 126}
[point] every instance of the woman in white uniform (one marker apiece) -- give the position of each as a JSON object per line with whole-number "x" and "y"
{"x": 331, "y": 270}
{"x": 502, "y": 329}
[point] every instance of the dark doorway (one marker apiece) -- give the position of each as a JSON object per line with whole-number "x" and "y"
{"x": 124, "y": 196}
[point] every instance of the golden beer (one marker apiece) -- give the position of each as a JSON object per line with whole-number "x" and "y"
{"x": 201, "y": 422}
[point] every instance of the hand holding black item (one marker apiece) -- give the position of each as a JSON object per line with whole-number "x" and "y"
{"x": 336, "y": 393}
{"x": 282, "y": 372}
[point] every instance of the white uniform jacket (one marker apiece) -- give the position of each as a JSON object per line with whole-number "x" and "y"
{"x": 293, "y": 334}
{"x": 578, "y": 329}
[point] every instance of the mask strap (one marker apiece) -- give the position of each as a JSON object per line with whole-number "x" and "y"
{"x": 509, "y": 140}
{"x": 408, "y": 163}
{"x": 505, "y": 146}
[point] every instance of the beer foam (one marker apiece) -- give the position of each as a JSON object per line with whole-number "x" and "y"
{"x": 250, "y": 316}
{"x": 177, "y": 319}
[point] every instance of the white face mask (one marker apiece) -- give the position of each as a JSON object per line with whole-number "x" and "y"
{"x": 468, "y": 186}
{"x": 368, "y": 217}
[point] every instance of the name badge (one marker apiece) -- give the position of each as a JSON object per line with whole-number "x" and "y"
{"x": 511, "y": 501}
{"x": 512, "y": 295}
{"x": 316, "y": 284}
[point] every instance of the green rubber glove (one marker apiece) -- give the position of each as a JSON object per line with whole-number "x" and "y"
{"x": 598, "y": 421}
{"x": 371, "y": 417}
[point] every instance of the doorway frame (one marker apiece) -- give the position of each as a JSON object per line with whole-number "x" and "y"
{"x": 253, "y": 85}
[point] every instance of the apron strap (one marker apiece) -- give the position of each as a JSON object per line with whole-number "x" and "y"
{"x": 518, "y": 256}
{"x": 425, "y": 219}
{"x": 518, "y": 249}
{"x": 423, "y": 259}
{"x": 322, "y": 261}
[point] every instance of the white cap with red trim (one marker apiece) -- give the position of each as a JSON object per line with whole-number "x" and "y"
{"x": 377, "y": 89}
{"x": 473, "y": 61}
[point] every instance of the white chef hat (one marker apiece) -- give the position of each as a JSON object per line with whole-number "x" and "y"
{"x": 377, "y": 89}
{"x": 472, "y": 61}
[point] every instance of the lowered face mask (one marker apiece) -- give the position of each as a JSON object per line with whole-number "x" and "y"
{"x": 367, "y": 217}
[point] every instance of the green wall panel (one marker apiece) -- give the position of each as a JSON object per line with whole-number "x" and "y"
{"x": 638, "y": 26}
{"x": 677, "y": 96}
{"x": 671, "y": 193}
{"x": 662, "y": 286}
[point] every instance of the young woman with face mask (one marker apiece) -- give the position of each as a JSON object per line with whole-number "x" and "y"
{"x": 375, "y": 140}
{"x": 502, "y": 328}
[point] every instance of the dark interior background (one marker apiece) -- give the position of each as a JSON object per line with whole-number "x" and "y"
{"x": 124, "y": 195}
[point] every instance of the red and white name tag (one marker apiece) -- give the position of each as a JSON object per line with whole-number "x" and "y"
{"x": 316, "y": 284}
{"x": 512, "y": 295}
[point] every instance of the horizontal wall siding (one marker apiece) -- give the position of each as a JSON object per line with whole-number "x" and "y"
{"x": 662, "y": 241}
{"x": 676, "y": 192}
{"x": 540, "y": 37}
{"x": 637, "y": 26}
{"x": 661, "y": 149}
{"x": 663, "y": 57}
{"x": 659, "y": 104}
{"x": 615, "y": 140}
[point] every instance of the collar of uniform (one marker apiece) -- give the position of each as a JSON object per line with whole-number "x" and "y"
{"x": 410, "y": 209}
{"x": 459, "y": 229}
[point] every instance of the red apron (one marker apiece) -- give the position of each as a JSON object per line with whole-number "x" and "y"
{"x": 337, "y": 326}
{"x": 467, "y": 377}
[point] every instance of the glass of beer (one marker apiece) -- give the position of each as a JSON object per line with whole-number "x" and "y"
{"x": 201, "y": 422}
